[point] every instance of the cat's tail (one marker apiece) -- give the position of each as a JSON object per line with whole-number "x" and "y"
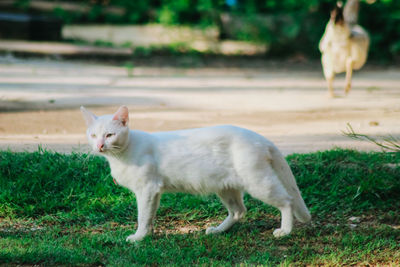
{"x": 282, "y": 169}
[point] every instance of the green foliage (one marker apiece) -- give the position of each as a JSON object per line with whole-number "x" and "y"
{"x": 287, "y": 26}
{"x": 382, "y": 20}
{"x": 60, "y": 209}
{"x": 296, "y": 26}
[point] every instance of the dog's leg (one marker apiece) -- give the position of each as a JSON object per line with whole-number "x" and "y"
{"x": 328, "y": 68}
{"x": 349, "y": 74}
{"x": 329, "y": 80}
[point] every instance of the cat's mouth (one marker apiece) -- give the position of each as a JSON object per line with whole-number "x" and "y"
{"x": 103, "y": 150}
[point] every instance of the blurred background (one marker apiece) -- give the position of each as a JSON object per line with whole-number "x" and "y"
{"x": 274, "y": 27}
{"x": 190, "y": 63}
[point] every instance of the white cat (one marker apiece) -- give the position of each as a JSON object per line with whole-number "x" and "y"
{"x": 225, "y": 160}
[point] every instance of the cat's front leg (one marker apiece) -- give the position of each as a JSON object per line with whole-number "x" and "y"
{"x": 148, "y": 200}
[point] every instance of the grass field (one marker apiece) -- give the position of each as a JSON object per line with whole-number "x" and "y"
{"x": 60, "y": 209}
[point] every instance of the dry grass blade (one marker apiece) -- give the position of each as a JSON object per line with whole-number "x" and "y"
{"x": 390, "y": 142}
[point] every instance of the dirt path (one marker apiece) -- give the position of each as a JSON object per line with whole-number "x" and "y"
{"x": 40, "y": 100}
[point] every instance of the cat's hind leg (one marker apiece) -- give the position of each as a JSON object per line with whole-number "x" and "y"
{"x": 270, "y": 190}
{"x": 286, "y": 221}
{"x": 233, "y": 201}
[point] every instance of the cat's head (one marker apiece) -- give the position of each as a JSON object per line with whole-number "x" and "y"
{"x": 109, "y": 133}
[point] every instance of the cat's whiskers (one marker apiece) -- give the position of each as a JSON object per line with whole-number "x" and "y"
{"x": 114, "y": 150}
{"x": 114, "y": 153}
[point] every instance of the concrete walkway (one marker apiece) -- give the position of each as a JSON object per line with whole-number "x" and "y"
{"x": 40, "y": 100}
{"x": 60, "y": 49}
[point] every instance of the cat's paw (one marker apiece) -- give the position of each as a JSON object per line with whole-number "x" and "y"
{"x": 134, "y": 238}
{"x": 212, "y": 230}
{"x": 280, "y": 232}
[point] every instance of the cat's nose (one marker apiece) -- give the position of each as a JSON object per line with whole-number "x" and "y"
{"x": 100, "y": 146}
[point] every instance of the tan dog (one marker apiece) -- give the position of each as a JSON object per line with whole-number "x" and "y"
{"x": 344, "y": 45}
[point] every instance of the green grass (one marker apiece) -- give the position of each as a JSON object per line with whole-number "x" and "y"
{"x": 60, "y": 209}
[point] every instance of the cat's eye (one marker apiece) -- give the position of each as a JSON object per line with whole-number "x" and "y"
{"x": 109, "y": 135}
{"x": 93, "y": 135}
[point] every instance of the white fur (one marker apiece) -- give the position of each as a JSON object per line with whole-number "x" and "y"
{"x": 344, "y": 48}
{"x": 225, "y": 160}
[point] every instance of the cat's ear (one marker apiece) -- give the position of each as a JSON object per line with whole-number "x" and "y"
{"x": 88, "y": 116}
{"x": 122, "y": 115}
